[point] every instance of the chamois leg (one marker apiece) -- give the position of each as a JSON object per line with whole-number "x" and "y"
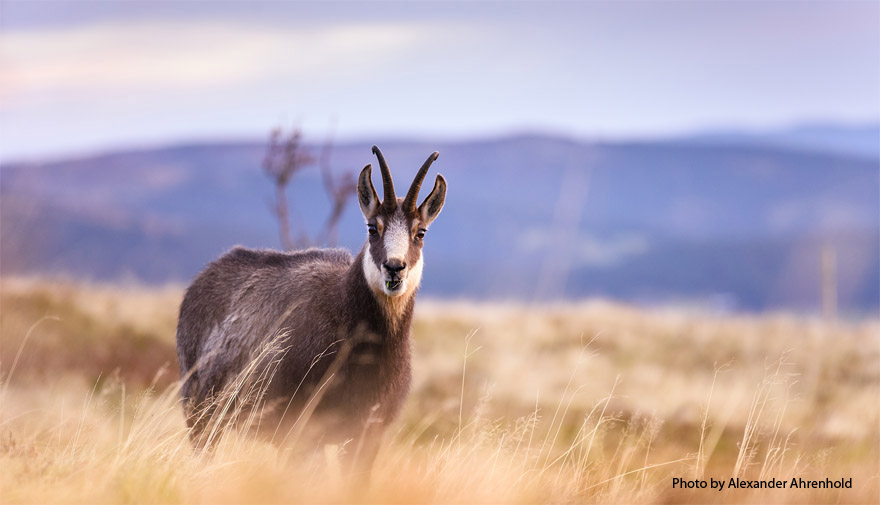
{"x": 357, "y": 464}
{"x": 200, "y": 420}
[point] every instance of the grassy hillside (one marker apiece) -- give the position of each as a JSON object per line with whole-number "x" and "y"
{"x": 583, "y": 402}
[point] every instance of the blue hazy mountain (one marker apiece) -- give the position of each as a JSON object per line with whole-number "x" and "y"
{"x": 861, "y": 139}
{"x": 738, "y": 225}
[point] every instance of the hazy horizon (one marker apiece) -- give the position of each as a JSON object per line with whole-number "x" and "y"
{"x": 318, "y": 137}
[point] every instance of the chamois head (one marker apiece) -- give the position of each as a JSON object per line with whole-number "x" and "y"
{"x": 396, "y": 228}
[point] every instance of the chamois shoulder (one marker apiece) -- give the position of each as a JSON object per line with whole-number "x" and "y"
{"x": 242, "y": 270}
{"x": 266, "y": 258}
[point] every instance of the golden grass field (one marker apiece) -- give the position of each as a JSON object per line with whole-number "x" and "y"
{"x": 587, "y": 402}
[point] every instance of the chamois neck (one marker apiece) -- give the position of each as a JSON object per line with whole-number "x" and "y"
{"x": 386, "y": 315}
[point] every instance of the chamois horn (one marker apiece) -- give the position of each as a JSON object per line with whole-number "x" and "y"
{"x": 389, "y": 199}
{"x": 409, "y": 204}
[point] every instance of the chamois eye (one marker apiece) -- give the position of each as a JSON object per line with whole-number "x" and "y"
{"x": 371, "y": 229}
{"x": 420, "y": 233}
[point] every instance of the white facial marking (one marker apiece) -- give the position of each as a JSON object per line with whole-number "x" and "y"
{"x": 415, "y": 275}
{"x": 375, "y": 279}
{"x": 397, "y": 241}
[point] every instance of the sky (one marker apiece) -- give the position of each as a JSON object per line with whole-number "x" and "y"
{"x": 86, "y": 76}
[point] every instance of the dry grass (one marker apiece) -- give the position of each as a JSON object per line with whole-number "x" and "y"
{"x": 588, "y": 402}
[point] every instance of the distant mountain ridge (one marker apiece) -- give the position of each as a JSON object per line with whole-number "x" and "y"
{"x": 530, "y": 217}
{"x": 861, "y": 139}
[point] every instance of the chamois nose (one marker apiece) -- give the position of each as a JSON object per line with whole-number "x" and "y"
{"x": 394, "y": 266}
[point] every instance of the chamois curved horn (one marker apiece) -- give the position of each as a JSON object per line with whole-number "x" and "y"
{"x": 409, "y": 204}
{"x": 389, "y": 199}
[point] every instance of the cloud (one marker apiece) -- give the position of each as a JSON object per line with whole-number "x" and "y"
{"x": 90, "y": 61}
{"x": 160, "y": 72}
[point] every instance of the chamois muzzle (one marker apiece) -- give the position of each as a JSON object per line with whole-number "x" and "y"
{"x": 394, "y": 278}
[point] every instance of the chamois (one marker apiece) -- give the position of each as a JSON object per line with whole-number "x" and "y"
{"x": 342, "y": 325}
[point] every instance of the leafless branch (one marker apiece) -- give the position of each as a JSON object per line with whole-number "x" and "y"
{"x": 285, "y": 157}
{"x": 339, "y": 189}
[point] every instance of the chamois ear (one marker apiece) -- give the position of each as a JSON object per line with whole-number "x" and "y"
{"x": 367, "y": 197}
{"x": 430, "y": 208}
